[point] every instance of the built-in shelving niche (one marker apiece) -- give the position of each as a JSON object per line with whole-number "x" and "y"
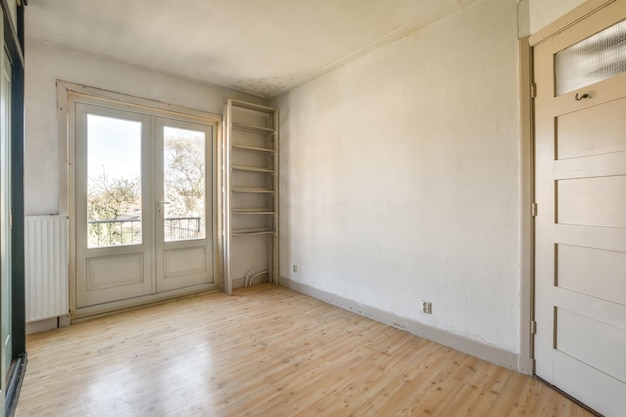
{"x": 250, "y": 217}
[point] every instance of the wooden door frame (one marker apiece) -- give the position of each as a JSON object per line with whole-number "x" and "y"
{"x": 526, "y": 363}
{"x": 67, "y": 93}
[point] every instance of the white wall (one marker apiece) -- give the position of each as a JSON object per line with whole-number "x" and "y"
{"x": 544, "y": 12}
{"x": 400, "y": 177}
{"x": 46, "y": 63}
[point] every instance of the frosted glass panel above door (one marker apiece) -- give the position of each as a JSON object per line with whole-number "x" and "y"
{"x": 594, "y": 59}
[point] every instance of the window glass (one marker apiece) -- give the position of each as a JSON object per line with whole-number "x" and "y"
{"x": 594, "y": 59}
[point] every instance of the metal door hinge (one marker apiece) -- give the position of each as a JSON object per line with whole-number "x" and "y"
{"x": 533, "y": 90}
{"x": 533, "y": 327}
{"x": 533, "y": 209}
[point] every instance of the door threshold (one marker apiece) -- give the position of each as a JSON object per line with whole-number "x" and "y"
{"x": 565, "y": 394}
{"x": 101, "y": 310}
{"x": 14, "y": 383}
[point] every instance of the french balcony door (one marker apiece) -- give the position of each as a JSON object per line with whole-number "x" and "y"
{"x": 143, "y": 195}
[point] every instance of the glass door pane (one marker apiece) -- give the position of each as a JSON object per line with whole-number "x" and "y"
{"x": 114, "y": 182}
{"x": 184, "y": 189}
{"x": 594, "y": 59}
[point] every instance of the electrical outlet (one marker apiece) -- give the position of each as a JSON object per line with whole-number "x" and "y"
{"x": 295, "y": 268}
{"x": 427, "y": 307}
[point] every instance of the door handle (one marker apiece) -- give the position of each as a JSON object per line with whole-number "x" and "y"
{"x": 584, "y": 96}
{"x": 159, "y": 208}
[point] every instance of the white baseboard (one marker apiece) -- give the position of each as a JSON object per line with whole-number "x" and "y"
{"x": 239, "y": 282}
{"x": 47, "y": 324}
{"x": 42, "y": 325}
{"x": 471, "y": 347}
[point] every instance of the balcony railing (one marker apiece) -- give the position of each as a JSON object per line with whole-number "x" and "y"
{"x": 103, "y": 233}
{"x": 181, "y": 228}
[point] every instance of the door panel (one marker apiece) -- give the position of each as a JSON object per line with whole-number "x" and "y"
{"x": 575, "y": 129}
{"x": 580, "y": 228}
{"x": 107, "y": 272}
{"x": 576, "y": 264}
{"x": 114, "y": 259}
{"x": 185, "y": 213}
{"x": 600, "y": 391}
{"x": 184, "y": 261}
{"x": 602, "y": 349}
{"x": 577, "y": 201}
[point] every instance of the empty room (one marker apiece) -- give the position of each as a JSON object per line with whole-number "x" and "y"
{"x": 313, "y": 208}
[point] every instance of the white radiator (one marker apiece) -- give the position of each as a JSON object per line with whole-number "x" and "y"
{"x": 46, "y": 267}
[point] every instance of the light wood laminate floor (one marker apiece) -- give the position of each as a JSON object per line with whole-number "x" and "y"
{"x": 265, "y": 351}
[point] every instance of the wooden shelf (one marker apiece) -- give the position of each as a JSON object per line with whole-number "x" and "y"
{"x": 264, "y": 211}
{"x": 253, "y": 148}
{"x": 252, "y": 106}
{"x": 251, "y": 169}
{"x": 251, "y": 190}
{"x": 251, "y": 128}
{"x": 252, "y": 232}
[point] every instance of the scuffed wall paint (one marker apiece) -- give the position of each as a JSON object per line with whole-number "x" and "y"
{"x": 400, "y": 177}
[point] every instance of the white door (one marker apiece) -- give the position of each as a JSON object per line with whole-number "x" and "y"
{"x": 143, "y": 204}
{"x": 184, "y": 219}
{"x": 580, "y": 187}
